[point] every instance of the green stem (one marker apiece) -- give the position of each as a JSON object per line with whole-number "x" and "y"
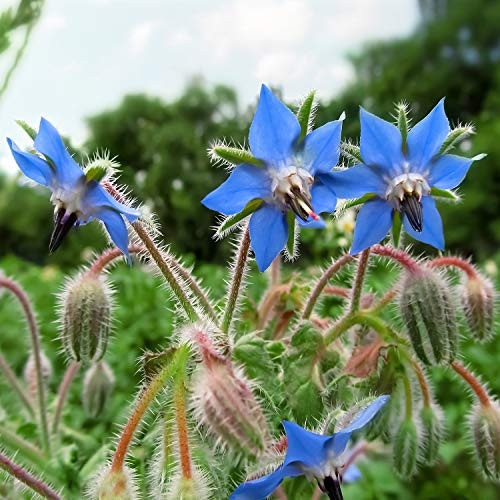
{"x": 358, "y": 282}
{"x": 408, "y": 397}
{"x": 14, "y": 383}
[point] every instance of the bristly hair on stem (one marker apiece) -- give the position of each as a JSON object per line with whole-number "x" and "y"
{"x": 358, "y": 281}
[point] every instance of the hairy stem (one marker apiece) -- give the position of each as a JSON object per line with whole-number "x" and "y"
{"x": 322, "y": 282}
{"x": 234, "y": 289}
{"x": 465, "y": 266}
{"x": 386, "y": 299}
{"x": 108, "y": 256}
{"x": 182, "y": 429}
{"x": 37, "y": 354}
{"x": 408, "y": 396}
{"x": 14, "y": 383}
{"x": 474, "y": 384}
{"x": 63, "y": 392}
{"x": 22, "y": 475}
{"x": 339, "y": 291}
{"x": 399, "y": 256}
{"x": 276, "y": 270}
{"x": 358, "y": 282}
{"x": 422, "y": 382}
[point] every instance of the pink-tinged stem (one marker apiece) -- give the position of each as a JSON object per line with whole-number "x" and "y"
{"x": 14, "y": 383}
{"x": 340, "y": 291}
{"x": 399, "y": 256}
{"x": 108, "y": 256}
{"x": 473, "y": 383}
{"x": 37, "y": 353}
{"x": 322, "y": 282}
{"x": 182, "y": 430}
{"x": 63, "y": 392}
{"x": 22, "y": 475}
{"x": 424, "y": 387}
{"x": 280, "y": 494}
{"x": 455, "y": 262}
{"x": 358, "y": 281}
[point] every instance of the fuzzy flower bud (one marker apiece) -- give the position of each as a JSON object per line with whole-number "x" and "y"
{"x": 405, "y": 449}
{"x": 30, "y": 375}
{"x": 485, "y": 429}
{"x": 116, "y": 485}
{"x": 428, "y": 312}
{"x": 226, "y": 404}
{"x": 184, "y": 488}
{"x": 97, "y": 386}
{"x": 432, "y": 425}
{"x": 86, "y": 317}
{"x": 478, "y": 300}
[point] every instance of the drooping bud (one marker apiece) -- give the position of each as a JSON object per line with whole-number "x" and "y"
{"x": 226, "y": 404}
{"x": 116, "y": 485}
{"x": 97, "y": 386}
{"x": 428, "y": 312}
{"x": 192, "y": 488}
{"x": 431, "y": 418}
{"x": 30, "y": 375}
{"x": 485, "y": 430}
{"x": 478, "y": 300}
{"x": 86, "y": 306}
{"x": 405, "y": 449}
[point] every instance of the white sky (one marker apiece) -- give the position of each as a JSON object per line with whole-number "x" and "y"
{"x": 84, "y": 55}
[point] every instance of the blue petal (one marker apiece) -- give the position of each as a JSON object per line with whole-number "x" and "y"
{"x": 323, "y": 200}
{"x": 448, "y": 171}
{"x": 322, "y": 147}
{"x": 274, "y": 130}
{"x": 380, "y": 143}
{"x": 432, "y": 231}
{"x": 356, "y": 181}
{"x": 362, "y": 418}
{"x": 304, "y": 447}
{"x": 246, "y": 183}
{"x": 31, "y": 165}
{"x": 268, "y": 234}
{"x": 49, "y": 143}
{"x": 116, "y": 228}
{"x": 351, "y": 474}
{"x": 97, "y": 196}
{"x": 426, "y": 137}
{"x": 262, "y": 487}
{"x": 372, "y": 224}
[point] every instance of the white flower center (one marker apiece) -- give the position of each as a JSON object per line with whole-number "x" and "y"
{"x": 71, "y": 201}
{"x": 408, "y": 184}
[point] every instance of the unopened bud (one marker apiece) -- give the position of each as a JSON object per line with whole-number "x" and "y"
{"x": 427, "y": 309}
{"x": 485, "y": 429}
{"x": 183, "y": 488}
{"x": 30, "y": 374}
{"x": 432, "y": 425}
{"x": 116, "y": 485}
{"x": 86, "y": 317}
{"x": 478, "y": 300}
{"x": 97, "y": 386}
{"x": 405, "y": 449}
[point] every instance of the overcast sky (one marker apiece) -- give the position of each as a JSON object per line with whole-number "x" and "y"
{"x": 84, "y": 55}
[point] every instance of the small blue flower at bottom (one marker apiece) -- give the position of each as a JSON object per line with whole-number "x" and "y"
{"x": 76, "y": 198}
{"x": 400, "y": 174}
{"x": 291, "y": 178}
{"x": 313, "y": 455}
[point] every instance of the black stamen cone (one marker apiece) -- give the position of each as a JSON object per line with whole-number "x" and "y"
{"x": 61, "y": 229}
{"x": 293, "y": 203}
{"x": 331, "y": 487}
{"x": 411, "y": 206}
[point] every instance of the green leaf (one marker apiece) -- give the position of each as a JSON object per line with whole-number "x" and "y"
{"x": 396, "y": 228}
{"x": 230, "y": 221}
{"x": 291, "y": 244}
{"x": 402, "y": 111}
{"x": 358, "y": 201}
{"x": 235, "y": 155}
{"x": 96, "y": 173}
{"x": 27, "y": 128}
{"x": 304, "y": 114}
{"x": 444, "y": 193}
{"x": 250, "y": 350}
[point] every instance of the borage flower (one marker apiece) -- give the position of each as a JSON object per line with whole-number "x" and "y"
{"x": 290, "y": 177}
{"x": 78, "y": 197}
{"x": 313, "y": 455}
{"x": 401, "y": 172}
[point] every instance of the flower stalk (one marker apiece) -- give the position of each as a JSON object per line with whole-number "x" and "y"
{"x": 474, "y": 384}
{"x": 14, "y": 383}
{"x": 358, "y": 282}
{"x": 63, "y": 392}
{"x": 465, "y": 266}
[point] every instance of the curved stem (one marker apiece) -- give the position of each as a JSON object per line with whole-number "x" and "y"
{"x": 358, "y": 282}
{"x": 465, "y": 266}
{"x": 399, "y": 256}
{"x": 35, "y": 340}
{"x": 422, "y": 382}
{"x": 322, "y": 282}
{"x": 386, "y": 299}
{"x": 340, "y": 291}
{"x": 108, "y": 256}
{"x": 474, "y": 384}
{"x": 63, "y": 392}
{"x": 14, "y": 383}
{"x": 22, "y": 475}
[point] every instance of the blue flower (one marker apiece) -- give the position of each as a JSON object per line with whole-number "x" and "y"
{"x": 312, "y": 455}
{"x": 400, "y": 174}
{"x": 291, "y": 178}
{"x": 76, "y": 198}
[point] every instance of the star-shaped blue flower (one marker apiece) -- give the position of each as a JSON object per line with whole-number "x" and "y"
{"x": 401, "y": 175}
{"x": 76, "y": 198}
{"x": 312, "y": 455}
{"x": 291, "y": 178}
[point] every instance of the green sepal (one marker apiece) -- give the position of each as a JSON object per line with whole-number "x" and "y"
{"x": 403, "y": 126}
{"x": 444, "y": 193}
{"x": 154, "y": 362}
{"x": 96, "y": 173}
{"x": 351, "y": 152}
{"x": 304, "y": 113}
{"x": 230, "y": 221}
{"x": 397, "y": 224}
{"x": 235, "y": 155}
{"x": 455, "y": 137}
{"x": 359, "y": 201}
{"x": 28, "y": 129}
{"x": 290, "y": 244}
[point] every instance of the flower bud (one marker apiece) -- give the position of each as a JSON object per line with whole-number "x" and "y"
{"x": 428, "y": 312}
{"x": 478, "y": 300}
{"x": 97, "y": 386}
{"x": 405, "y": 449}
{"x": 485, "y": 429}
{"x": 86, "y": 317}
{"x": 30, "y": 375}
{"x": 116, "y": 485}
{"x": 432, "y": 425}
{"x": 183, "y": 488}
